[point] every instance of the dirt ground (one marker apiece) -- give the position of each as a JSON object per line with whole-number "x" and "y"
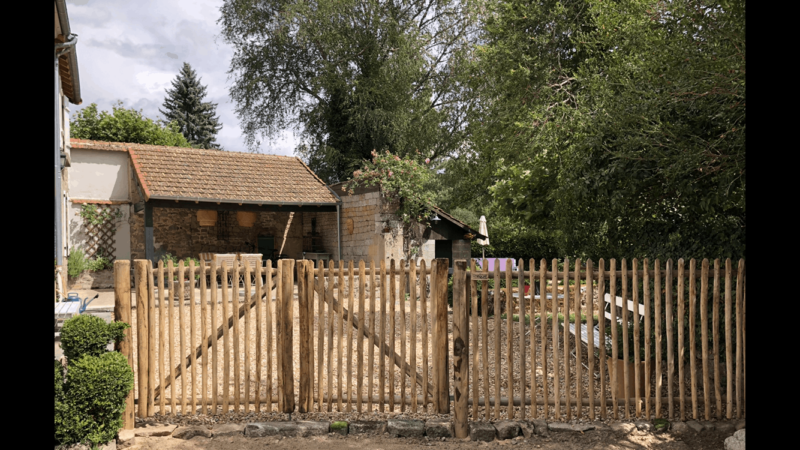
{"x": 592, "y": 440}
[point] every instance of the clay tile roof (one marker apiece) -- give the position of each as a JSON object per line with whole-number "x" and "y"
{"x": 178, "y": 173}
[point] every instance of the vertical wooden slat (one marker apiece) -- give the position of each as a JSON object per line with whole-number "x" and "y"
{"x": 636, "y": 345}
{"x": 142, "y": 359}
{"x": 657, "y": 304}
{"x": 161, "y": 356}
{"x": 226, "y": 332}
{"x": 625, "y": 324}
{"x": 392, "y": 329}
{"x": 320, "y": 333}
{"x": 744, "y": 345}
{"x": 739, "y": 320}
{"x": 423, "y": 288}
{"x": 371, "y": 344}
{"x": 434, "y": 333}
{"x": 556, "y": 384}
{"x": 402, "y": 301}
{"x": 728, "y": 337}
{"x": 440, "y": 336}
{"x": 692, "y": 345}
{"x": 543, "y": 328}
{"x": 704, "y": 336}
{"x": 670, "y": 351}
{"x": 612, "y": 287}
{"x": 362, "y": 313}
{"x": 522, "y": 353}
{"x": 498, "y": 323}
{"x": 286, "y": 334}
{"x": 151, "y": 340}
{"x": 647, "y": 319}
{"x": 214, "y": 350}
{"x": 247, "y": 294}
{"x": 715, "y": 333}
{"x": 473, "y": 285}
{"x": 122, "y": 313}
{"x": 268, "y": 321}
{"x": 578, "y": 310}
{"x": 590, "y": 335}
{"x": 510, "y": 339}
{"x": 382, "y": 341}
{"x": 348, "y": 374}
{"x": 681, "y": 346}
{"x": 192, "y": 330}
{"x": 182, "y": 331}
{"x": 339, "y": 328}
{"x": 532, "y": 271}
{"x": 601, "y": 289}
{"x": 303, "y": 314}
{"x": 235, "y": 314}
{"x": 329, "y": 295}
{"x": 412, "y": 287}
{"x": 203, "y": 338}
{"x": 259, "y": 329}
{"x": 565, "y": 327}
{"x": 461, "y": 349}
{"x": 310, "y": 318}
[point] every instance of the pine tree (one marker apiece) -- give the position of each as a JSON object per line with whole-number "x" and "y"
{"x": 185, "y": 107}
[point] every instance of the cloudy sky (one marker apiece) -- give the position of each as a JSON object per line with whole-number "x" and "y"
{"x": 131, "y": 51}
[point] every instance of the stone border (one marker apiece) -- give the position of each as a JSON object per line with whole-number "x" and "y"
{"x": 433, "y": 428}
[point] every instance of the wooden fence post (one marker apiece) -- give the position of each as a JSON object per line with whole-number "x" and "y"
{"x": 285, "y": 334}
{"x": 140, "y": 267}
{"x": 461, "y": 349}
{"x": 442, "y": 389}
{"x": 122, "y": 313}
{"x": 302, "y": 304}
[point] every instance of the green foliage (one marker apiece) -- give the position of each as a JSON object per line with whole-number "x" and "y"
{"x": 86, "y": 334}
{"x": 76, "y": 263}
{"x": 338, "y": 425}
{"x": 184, "y": 106}
{"x": 99, "y": 263}
{"x": 94, "y": 398}
{"x": 98, "y": 216}
{"x": 59, "y": 380}
{"x": 401, "y": 180}
{"x": 124, "y": 125}
{"x": 352, "y": 75}
{"x": 167, "y": 257}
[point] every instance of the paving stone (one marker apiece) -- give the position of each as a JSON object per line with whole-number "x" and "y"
{"x": 580, "y": 427}
{"x": 696, "y": 426}
{"x": 622, "y": 427}
{"x": 126, "y": 438}
{"x": 406, "y": 428}
{"x": 540, "y": 427}
{"x": 642, "y": 425}
{"x": 735, "y": 442}
{"x": 228, "y": 429}
{"x": 155, "y": 430}
{"x": 482, "y": 431}
{"x": 680, "y": 428}
{"x": 725, "y": 428}
{"x": 367, "y": 427}
{"x": 439, "y": 428}
{"x": 507, "y": 429}
{"x": 190, "y": 432}
{"x": 739, "y": 424}
{"x": 527, "y": 429}
{"x": 261, "y": 429}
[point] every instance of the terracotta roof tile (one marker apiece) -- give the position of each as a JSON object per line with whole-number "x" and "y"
{"x": 213, "y": 175}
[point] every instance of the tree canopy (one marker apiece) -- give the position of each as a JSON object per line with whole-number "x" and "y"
{"x": 185, "y": 107}
{"x": 124, "y": 125}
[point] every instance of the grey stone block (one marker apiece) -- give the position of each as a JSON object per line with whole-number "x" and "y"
{"x": 680, "y": 428}
{"x": 696, "y": 426}
{"x": 540, "y": 427}
{"x": 557, "y": 426}
{"x": 126, "y": 438}
{"x": 228, "y": 429}
{"x": 507, "y": 429}
{"x": 155, "y": 430}
{"x": 439, "y": 428}
{"x": 725, "y": 428}
{"x": 622, "y": 427}
{"x": 302, "y": 428}
{"x": 190, "y": 432}
{"x": 527, "y": 429}
{"x": 261, "y": 429}
{"x": 735, "y": 442}
{"x": 482, "y": 431}
{"x": 368, "y": 427}
{"x": 406, "y": 428}
{"x": 642, "y": 425}
{"x": 739, "y": 425}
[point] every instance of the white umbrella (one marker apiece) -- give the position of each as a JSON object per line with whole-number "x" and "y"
{"x": 484, "y": 231}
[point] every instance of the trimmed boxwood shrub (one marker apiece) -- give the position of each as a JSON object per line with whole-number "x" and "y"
{"x": 90, "y": 395}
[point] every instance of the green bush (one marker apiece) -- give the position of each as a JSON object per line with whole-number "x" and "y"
{"x": 59, "y": 380}
{"x": 99, "y": 263}
{"x": 76, "y": 263}
{"x": 94, "y": 399}
{"x": 89, "y": 335}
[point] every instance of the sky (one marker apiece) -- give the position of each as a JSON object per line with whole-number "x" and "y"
{"x": 131, "y": 51}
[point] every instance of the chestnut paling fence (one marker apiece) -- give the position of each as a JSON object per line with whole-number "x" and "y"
{"x": 381, "y": 337}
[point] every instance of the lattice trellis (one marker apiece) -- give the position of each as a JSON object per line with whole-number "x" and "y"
{"x": 100, "y": 237}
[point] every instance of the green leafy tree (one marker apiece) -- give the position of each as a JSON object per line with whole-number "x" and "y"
{"x": 124, "y": 125}
{"x": 353, "y": 75}
{"x": 185, "y": 107}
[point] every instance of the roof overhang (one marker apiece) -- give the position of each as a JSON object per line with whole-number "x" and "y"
{"x": 68, "y": 63}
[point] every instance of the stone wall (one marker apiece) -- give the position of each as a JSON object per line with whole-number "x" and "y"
{"x": 326, "y": 227}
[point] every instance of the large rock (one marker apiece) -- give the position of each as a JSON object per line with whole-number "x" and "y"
{"x": 155, "y": 430}
{"x": 228, "y": 429}
{"x": 406, "y": 428}
{"x": 439, "y": 428}
{"x": 507, "y": 429}
{"x": 622, "y": 427}
{"x": 126, "y": 438}
{"x": 482, "y": 431}
{"x": 680, "y": 428}
{"x": 540, "y": 427}
{"x": 696, "y": 426}
{"x": 367, "y": 427}
{"x": 735, "y": 442}
{"x": 527, "y": 429}
{"x": 261, "y": 429}
{"x": 580, "y": 427}
{"x": 190, "y": 432}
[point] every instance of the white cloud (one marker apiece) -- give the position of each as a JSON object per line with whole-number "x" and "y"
{"x": 130, "y": 51}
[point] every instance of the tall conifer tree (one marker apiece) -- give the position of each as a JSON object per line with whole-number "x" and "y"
{"x": 184, "y": 106}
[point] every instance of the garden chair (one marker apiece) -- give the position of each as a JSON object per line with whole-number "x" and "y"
{"x": 254, "y": 260}
{"x": 228, "y": 259}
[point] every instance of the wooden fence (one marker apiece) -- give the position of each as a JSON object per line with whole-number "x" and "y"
{"x": 380, "y": 338}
